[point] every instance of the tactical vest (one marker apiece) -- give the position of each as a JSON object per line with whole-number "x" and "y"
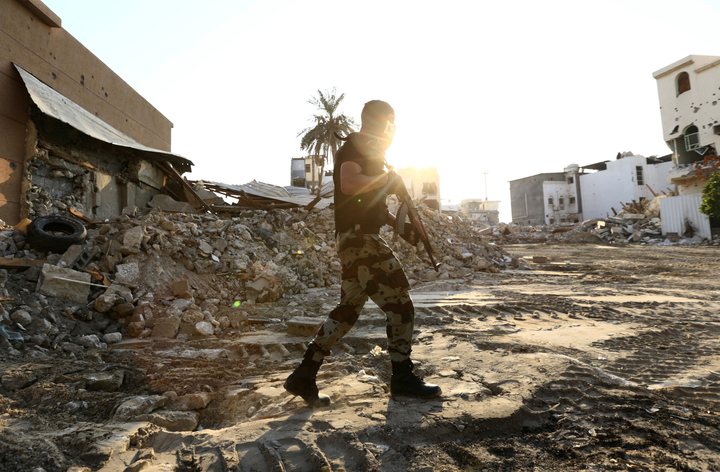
{"x": 369, "y": 210}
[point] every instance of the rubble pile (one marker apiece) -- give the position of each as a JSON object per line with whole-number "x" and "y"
{"x": 182, "y": 275}
{"x": 638, "y": 223}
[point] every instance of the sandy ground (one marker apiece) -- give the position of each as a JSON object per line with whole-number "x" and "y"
{"x": 601, "y": 358}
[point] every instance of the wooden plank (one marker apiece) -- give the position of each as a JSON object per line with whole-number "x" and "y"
{"x": 17, "y": 263}
{"x": 189, "y": 191}
{"x": 57, "y": 152}
{"x": 80, "y": 216}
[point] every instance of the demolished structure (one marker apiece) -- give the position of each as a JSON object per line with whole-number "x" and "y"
{"x": 76, "y": 136}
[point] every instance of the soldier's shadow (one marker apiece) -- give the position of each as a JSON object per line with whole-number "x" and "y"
{"x": 404, "y": 411}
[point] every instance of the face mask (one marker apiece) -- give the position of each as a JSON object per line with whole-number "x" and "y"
{"x": 389, "y": 130}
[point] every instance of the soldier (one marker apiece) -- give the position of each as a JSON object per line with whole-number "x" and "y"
{"x": 369, "y": 267}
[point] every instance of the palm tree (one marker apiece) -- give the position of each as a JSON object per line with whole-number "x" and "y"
{"x": 321, "y": 139}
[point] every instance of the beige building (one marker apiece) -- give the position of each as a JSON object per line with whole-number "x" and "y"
{"x": 67, "y": 120}
{"x": 423, "y": 183}
{"x": 479, "y": 210}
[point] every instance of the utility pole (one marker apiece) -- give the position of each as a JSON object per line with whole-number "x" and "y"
{"x": 485, "y": 173}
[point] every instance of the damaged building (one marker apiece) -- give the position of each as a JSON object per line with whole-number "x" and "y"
{"x": 690, "y": 115}
{"x": 481, "y": 211}
{"x": 547, "y": 198}
{"x": 605, "y": 185}
{"x": 77, "y": 139}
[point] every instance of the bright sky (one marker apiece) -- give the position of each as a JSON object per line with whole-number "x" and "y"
{"x": 514, "y": 88}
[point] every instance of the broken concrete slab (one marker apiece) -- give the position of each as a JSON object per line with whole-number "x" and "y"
{"x": 141, "y": 405}
{"x": 64, "y": 283}
{"x": 166, "y": 203}
{"x": 104, "y": 381}
{"x": 127, "y": 274}
{"x": 175, "y": 420}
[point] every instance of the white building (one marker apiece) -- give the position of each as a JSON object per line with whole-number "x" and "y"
{"x": 626, "y": 179}
{"x": 561, "y": 198}
{"x": 690, "y": 113}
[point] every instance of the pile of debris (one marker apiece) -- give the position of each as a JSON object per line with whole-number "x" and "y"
{"x": 184, "y": 275}
{"x": 638, "y": 222}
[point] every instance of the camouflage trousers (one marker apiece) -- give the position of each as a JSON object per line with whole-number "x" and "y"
{"x": 369, "y": 270}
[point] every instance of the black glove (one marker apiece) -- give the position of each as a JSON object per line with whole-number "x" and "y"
{"x": 395, "y": 185}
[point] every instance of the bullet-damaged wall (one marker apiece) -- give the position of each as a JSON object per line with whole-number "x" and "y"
{"x": 32, "y": 37}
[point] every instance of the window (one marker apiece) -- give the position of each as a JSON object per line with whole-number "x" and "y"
{"x": 307, "y": 168}
{"x": 429, "y": 188}
{"x": 551, "y": 201}
{"x": 572, "y": 200}
{"x": 561, "y": 201}
{"x": 570, "y": 180}
{"x": 692, "y": 138}
{"x": 683, "y": 82}
{"x": 639, "y": 175}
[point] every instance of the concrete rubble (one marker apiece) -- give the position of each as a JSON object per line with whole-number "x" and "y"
{"x": 637, "y": 223}
{"x": 187, "y": 276}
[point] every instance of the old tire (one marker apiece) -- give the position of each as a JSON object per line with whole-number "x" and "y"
{"x": 55, "y": 233}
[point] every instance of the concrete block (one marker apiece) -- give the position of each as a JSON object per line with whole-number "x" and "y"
{"x": 180, "y": 287}
{"x": 166, "y": 327}
{"x": 68, "y": 284}
{"x": 127, "y": 274}
{"x": 76, "y": 257}
{"x": 302, "y": 326}
{"x": 133, "y": 238}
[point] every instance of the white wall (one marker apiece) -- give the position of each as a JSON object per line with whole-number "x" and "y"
{"x": 558, "y": 190}
{"x": 699, "y": 106}
{"x": 678, "y": 211}
{"x": 601, "y": 191}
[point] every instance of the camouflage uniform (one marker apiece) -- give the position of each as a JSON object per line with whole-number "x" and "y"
{"x": 370, "y": 269}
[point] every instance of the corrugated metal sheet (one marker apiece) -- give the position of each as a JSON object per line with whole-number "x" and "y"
{"x": 674, "y": 211}
{"x": 261, "y": 189}
{"x": 58, "y": 106}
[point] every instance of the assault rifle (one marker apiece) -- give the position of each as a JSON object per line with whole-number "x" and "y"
{"x": 407, "y": 209}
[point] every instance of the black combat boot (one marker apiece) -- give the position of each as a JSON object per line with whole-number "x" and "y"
{"x": 405, "y": 383}
{"x": 302, "y": 382}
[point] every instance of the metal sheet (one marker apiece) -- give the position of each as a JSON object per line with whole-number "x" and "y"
{"x": 261, "y": 189}
{"x": 675, "y": 210}
{"x": 56, "y": 105}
